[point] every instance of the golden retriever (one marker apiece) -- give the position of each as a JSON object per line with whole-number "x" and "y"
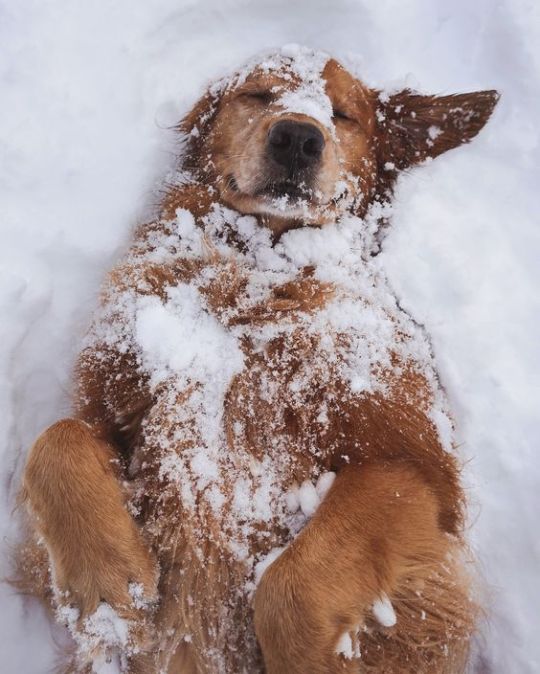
{"x": 259, "y": 473}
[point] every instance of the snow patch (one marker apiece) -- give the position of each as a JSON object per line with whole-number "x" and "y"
{"x": 384, "y": 611}
{"x": 349, "y": 646}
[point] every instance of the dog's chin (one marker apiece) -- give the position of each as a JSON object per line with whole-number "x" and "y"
{"x": 285, "y": 207}
{"x": 281, "y": 207}
{"x": 286, "y": 201}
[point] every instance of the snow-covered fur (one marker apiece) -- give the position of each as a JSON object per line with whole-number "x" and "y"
{"x": 246, "y": 351}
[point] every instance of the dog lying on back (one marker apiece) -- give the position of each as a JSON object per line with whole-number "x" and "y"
{"x": 258, "y": 475}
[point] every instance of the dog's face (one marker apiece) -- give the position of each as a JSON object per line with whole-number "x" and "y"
{"x": 299, "y": 140}
{"x": 291, "y": 149}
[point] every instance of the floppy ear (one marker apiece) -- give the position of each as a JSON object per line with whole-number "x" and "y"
{"x": 195, "y": 126}
{"x": 199, "y": 117}
{"x": 413, "y": 127}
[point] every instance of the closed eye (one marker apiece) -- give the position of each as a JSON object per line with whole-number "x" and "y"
{"x": 262, "y": 96}
{"x": 339, "y": 114}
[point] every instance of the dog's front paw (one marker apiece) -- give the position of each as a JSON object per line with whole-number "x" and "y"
{"x": 107, "y": 637}
{"x": 113, "y": 567}
{"x": 104, "y": 639}
{"x": 106, "y": 595}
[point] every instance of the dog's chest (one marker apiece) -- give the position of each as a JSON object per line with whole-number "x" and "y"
{"x": 249, "y": 408}
{"x": 252, "y": 360}
{"x": 284, "y": 403}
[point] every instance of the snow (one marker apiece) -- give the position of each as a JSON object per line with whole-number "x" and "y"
{"x": 348, "y": 645}
{"x": 308, "y": 497}
{"x": 87, "y": 91}
{"x": 324, "y": 482}
{"x": 103, "y": 633}
{"x": 179, "y": 334}
{"x": 384, "y": 611}
{"x": 310, "y": 97}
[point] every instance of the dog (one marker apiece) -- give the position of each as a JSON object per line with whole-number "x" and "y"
{"x": 259, "y": 472}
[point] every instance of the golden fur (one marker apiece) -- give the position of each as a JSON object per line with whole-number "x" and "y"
{"x": 392, "y": 522}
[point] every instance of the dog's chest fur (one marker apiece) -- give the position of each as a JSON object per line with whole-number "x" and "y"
{"x": 263, "y": 364}
{"x": 258, "y": 359}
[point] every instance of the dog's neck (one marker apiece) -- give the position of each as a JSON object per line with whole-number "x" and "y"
{"x": 198, "y": 197}
{"x": 378, "y": 219}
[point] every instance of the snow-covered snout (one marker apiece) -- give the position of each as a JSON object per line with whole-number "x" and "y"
{"x": 297, "y": 139}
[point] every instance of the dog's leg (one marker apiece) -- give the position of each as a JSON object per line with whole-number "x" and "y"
{"x": 78, "y": 506}
{"x": 372, "y": 555}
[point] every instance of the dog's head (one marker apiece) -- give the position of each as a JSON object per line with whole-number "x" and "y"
{"x": 296, "y": 138}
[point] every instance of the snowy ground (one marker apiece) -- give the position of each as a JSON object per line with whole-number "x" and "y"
{"x": 86, "y": 89}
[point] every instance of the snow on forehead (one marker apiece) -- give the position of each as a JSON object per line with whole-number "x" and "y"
{"x": 303, "y": 67}
{"x": 290, "y": 61}
{"x": 303, "y": 63}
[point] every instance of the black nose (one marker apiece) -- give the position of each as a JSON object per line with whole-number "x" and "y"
{"x": 295, "y": 145}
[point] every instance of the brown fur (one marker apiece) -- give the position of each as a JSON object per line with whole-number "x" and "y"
{"x": 299, "y": 622}
{"x": 393, "y": 520}
{"x": 65, "y": 467}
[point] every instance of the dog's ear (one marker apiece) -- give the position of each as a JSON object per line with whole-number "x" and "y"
{"x": 197, "y": 122}
{"x": 200, "y": 115}
{"x": 412, "y": 127}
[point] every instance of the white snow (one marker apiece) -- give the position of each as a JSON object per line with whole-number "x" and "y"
{"x": 103, "y": 636}
{"x": 87, "y": 89}
{"x": 344, "y": 646}
{"x": 348, "y": 646}
{"x": 110, "y": 665}
{"x": 384, "y": 611}
{"x": 324, "y": 482}
{"x": 180, "y": 335}
{"x": 310, "y": 97}
{"x": 308, "y": 497}
{"x": 105, "y": 625}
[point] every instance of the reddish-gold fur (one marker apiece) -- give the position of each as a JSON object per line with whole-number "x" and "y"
{"x": 392, "y": 522}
